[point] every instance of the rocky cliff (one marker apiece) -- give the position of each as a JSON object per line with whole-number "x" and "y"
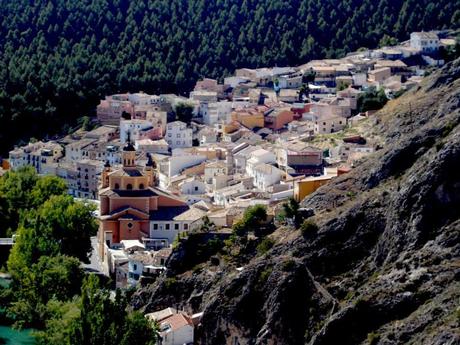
{"x": 384, "y": 266}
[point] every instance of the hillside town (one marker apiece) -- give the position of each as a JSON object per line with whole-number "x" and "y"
{"x": 159, "y": 166}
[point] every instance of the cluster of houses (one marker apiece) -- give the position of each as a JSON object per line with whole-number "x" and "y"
{"x": 252, "y": 140}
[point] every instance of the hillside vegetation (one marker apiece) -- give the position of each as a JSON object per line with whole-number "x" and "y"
{"x": 57, "y": 58}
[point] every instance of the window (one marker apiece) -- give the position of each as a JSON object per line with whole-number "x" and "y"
{"x": 155, "y": 226}
{"x": 141, "y": 186}
{"x": 185, "y": 226}
{"x": 176, "y": 226}
{"x": 117, "y": 186}
{"x": 129, "y": 186}
{"x": 130, "y": 225}
{"x": 196, "y": 188}
{"x": 135, "y": 267}
{"x": 167, "y": 226}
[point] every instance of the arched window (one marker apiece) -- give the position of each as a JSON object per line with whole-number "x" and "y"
{"x": 117, "y": 186}
{"x": 129, "y": 186}
{"x": 141, "y": 186}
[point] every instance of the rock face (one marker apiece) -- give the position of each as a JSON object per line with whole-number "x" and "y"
{"x": 383, "y": 268}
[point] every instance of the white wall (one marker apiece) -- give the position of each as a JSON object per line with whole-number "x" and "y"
{"x": 179, "y": 163}
{"x": 178, "y": 135}
{"x": 133, "y": 127}
{"x": 192, "y": 187}
{"x": 183, "y": 335}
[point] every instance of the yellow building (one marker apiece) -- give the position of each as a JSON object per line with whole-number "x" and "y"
{"x": 308, "y": 185}
{"x": 249, "y": 118}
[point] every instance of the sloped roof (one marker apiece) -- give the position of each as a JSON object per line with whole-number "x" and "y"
{"x": 176, "y": 321}
{"x": 167, "y": 213}
{"x": 129, "y": 193}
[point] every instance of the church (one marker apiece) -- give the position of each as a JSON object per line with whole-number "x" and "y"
{"x": 133, "y": 208}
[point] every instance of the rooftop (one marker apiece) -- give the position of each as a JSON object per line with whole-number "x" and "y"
{"x": 129, "y": 193}
{"x": 430, "y": 35}
{"x": 168, "y": 213}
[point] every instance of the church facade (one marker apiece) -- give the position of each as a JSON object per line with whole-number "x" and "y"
{"x": 133, "y": 208}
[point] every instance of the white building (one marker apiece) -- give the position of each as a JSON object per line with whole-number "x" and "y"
{"x": 329, "y": 124}
{"x": 234, "y": 81}
{"x": 42, "y": 156}
{"x": 203, "y": 96}
{"x": 166, "y": 225}
{"x": 176, "y": 328}
{"x": 134, "y": 128}
{"x": 207, "y": 135}
{"x": 213, "y": 169}
{"x": 222, "y": 197}
{"x": 216, "y": 112}
{"x": 177, "y": 163}
{"x": 426, "y": 42}
{"x": 143, "y": 99}
{"x": 178, "y": 135}
{"x": 152, "y": 146}
{"x": 257, "y": 157}
{"x": 266, "y": 175}
{"x": 77, "y": 150}
{"x": 290, "y": 81}
{"x": 192, "y": 186}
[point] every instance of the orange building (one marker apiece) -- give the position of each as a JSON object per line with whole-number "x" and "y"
{"x": 278, "y": 118}
{"x": 131, "y": 206}
{"x": 250, "y": 117}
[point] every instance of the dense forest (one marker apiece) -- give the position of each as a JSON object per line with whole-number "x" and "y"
{"x": 57, "y": 57}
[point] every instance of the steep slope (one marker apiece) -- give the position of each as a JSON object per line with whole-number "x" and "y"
{"x": 384, "y": 266}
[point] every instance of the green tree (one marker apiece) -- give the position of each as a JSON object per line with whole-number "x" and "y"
{"x": 253, "y": 218}
{"x": 291, "y": 211}
{"x": 104, "y": 320}
{"x": 60, "y": 226}
{"x": 86, "y": 123}
{"x": 15, "y": 196}
{"x": 304, "y": 91}
{"x": 184, "y": 112}
{"x": 309, "y": 76}
{"x": 372, "y": 99}
{"x": 57, "y": 278}
{"x": 60, "y": 318}
{"x": 388, "y": 41}
{"x": 45, "y": 188}
{"x": 139, "y": 331}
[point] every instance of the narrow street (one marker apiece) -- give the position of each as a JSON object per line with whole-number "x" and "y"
{"x": 95, "y": 265}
